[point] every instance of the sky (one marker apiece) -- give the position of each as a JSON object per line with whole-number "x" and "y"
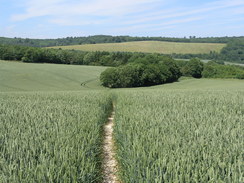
{"x": 166, "y": 18}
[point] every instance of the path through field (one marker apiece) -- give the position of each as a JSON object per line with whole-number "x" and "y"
{"x": 110, "y": 163}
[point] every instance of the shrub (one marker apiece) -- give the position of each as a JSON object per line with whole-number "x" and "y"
{"x": 193, "y": 68}
{"x": 141, "y": 73}
{"x": 214, "y": 70}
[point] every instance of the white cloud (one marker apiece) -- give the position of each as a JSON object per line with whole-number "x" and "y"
{"x": 62, "y": 11}
{"x": 127, "y": 16}
{"x": 156, "y": 26}
{"x": 36, "y": 8}
{"x": 75, "y": 21}
{"x": 179, "y": 13}
{"x": 238, "y": 10}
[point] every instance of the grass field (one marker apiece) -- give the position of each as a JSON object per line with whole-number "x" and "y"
{"x": 150, "y": 47}
{"x": 180, "y": 135}
{"x": 52, "y": 115}
{"x": 18, "y": 76}
{"x": 51, "y": 136}
{"x": 203, "y": 84}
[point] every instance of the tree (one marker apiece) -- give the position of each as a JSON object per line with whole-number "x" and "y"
{"x": 109, "y": 78}
{"x": 89, "y": 58}
{"x": 209, "y": 70}
{"x": 140, "y": 74}
{"x": 173, "y": 69}
{"x": 151, "y": 75}
{"x": 193, "y": 68}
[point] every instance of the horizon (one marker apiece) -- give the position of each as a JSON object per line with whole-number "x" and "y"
{"x": 52, "y": 19}
{"x": 122, "y": 36}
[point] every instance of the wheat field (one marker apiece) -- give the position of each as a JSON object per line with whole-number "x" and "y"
{"x": 149, "y": 47}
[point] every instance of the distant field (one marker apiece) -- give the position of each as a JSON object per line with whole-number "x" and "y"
{"x": 17, "y": 76}
{"x": 150, "y": 47}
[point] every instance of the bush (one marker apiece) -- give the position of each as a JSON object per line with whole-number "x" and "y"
{"x": 193, "y": 68}
{"x": 214, "y": 70}
{"x": 123, "y": 76}
{"x": 139, "y": 74}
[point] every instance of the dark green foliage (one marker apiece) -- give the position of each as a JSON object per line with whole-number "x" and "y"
{"x": 160, "y": 68}
{"x": 141, "y": 73}
{"x": 193, "y": 68}
{"x": 205, "y": 56}
{"x": 122, "y": 76}
{"x": 12, "y": 52}
{"x": 59, "y": 56}
{"x": 40, "y": 55}
{"x": 234, "y": 51}
{"x": 108, "y": 39}
{"x": 173, "y": 69}
{"x": 214, "y": 70}
{"x": 154, "y": 74}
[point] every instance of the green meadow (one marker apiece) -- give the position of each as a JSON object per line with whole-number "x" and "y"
{"x": 150, "y": 47}
{"x": 52, "y": 118}
{"x": 18, "y": 76}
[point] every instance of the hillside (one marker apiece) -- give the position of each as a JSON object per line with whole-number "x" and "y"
{"x": 16, "y": 76}
{"x": 191, "y": 84}
{"x": 59, "y": 133}
{"x": 151, "y": 47}
{"x": 203, "y": 84}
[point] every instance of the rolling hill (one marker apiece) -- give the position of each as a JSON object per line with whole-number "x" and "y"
{"x": 59, "y": 133}
{"x": 17, "y": 76}
{"x": 150, "y": 47}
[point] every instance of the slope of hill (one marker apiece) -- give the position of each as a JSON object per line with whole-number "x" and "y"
{"x": 203, "y": 84}
{"x": 151, "y": 47}
{"x": 16, "y": 76}
{"x": 192, "y": 84}
{"x": 57, "y": 135}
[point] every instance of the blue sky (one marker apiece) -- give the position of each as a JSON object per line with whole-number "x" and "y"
{"x": 171, "y": 18}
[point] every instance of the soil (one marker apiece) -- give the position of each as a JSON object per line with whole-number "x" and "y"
{"x": 110, "y": 164}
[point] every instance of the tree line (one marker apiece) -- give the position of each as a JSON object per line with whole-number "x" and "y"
{"x": 212, "y": 69}
{"x": 147, "y": 71}
{"x": 233, "y": 52}
{"x": 130, "y": 69}
{"x": 110, "y": 39}
{"x": 154, "y": 70}
{"x": 59, "y": 56}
